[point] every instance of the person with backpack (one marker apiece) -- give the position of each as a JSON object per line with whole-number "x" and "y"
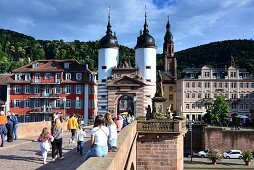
{"x": 14, "y": 119}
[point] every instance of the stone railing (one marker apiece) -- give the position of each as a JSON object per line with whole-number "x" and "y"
{"x": 161, "y": 126}
{"x": 124, "y": 158}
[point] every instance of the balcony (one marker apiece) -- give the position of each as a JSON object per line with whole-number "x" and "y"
{"x": 46, "y": 82}
{"x": 207, "y": 100}
{"x": 234, "y": 100}
{"x": 44, "y": 110}
{"x": 45, "y": 96}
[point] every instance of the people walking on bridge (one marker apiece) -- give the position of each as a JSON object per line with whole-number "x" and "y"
{"x": 112, "y": 137}
{"x": 14, "y": 119}
{"x": 44, "y": 139}
{"x": 99, "y": 139}
{"x": 72, "y": 125}
{"x": 57, "y": 132}
{"x": 119, "y": 123}
{"x": 9, "y": 126}
{"x": 81, "y": 134}
{"x": 3, "y": 129}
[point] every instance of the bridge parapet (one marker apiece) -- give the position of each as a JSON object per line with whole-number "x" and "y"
{"x": 161, "y": 126}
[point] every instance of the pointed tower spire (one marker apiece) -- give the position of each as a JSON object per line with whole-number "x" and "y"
{"x": 168, "y": 26}
{"x": 145, "y": 31}
{"x": 232, "y": 61}
{"x": 109, "y": 31}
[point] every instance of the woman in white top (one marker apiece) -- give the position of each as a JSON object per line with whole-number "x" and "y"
{"x": 112, "y": 138}
{"x": 99, "y": 139}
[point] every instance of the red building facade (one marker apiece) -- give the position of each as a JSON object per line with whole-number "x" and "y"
{"x": 46, "y": 87}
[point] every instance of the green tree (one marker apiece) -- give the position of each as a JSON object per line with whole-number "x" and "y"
{"x": 219, "y": 109}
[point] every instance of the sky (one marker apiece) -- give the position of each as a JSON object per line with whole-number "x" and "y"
{"x": 193, "y": 22}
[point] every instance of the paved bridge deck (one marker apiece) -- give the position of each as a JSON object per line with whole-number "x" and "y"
{"x": 25, "y": 154}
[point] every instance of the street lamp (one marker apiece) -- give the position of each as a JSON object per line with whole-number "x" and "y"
{"x": 190, "y": 129}
{"x": 64, "y": 102}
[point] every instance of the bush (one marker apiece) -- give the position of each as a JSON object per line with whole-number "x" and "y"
{"x": 247, "y": 156}
{"x": 214, "y": 155}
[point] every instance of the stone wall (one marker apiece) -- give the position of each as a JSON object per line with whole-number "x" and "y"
{"x": 159, "y": 151}
{"x": 33, "y": 129}
{"x": 224, "y": 140}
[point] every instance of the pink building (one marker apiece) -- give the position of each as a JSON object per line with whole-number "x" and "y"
{"x": 199, "y": 87}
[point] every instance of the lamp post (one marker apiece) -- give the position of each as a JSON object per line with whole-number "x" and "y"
{"x": 190, "y": 129}
{"x": 64, "y": 102}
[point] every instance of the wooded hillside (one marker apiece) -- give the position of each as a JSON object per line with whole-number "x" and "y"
{"x": 16, "y": 49}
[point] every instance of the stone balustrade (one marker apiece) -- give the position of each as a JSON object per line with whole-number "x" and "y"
{"x": 161, "y": 126}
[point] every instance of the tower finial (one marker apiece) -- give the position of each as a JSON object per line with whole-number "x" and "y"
{"x": 109, "y": 14}
{"x": 145, "y": 31}
{"x": 109, "y": 31}
{"x": 168, "y": 25}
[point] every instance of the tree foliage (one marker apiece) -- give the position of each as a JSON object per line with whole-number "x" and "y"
{"x": 219, "y": 110}
{"x": 17, "y": 49}
{"x": 15, "y": 46}
{"x": 218, "y": 54}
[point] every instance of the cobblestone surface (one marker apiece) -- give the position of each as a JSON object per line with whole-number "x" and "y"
{"x": 25, "y": 154}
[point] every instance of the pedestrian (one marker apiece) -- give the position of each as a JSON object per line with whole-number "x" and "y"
{"x": 112, "y": 137}
{"x": 9, "y": 126}
{"x": 119, "y": 123}
{"x": 3, "y": 129}
{"x": 72, "y": 125}
{"x": 99, "y": 139}
{"x": 57, "y": 132}
{"x": 14, "y": 119}
{"x": 80, "y": 134}
{"x": 44, "y": 139}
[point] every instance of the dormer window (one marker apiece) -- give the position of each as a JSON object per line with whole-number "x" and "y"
{"x": 18, "y": 76}
{"x": 66, "y": 65}
{"x": 68, "y": 76}
{"x": 35, "y": 65}
{"x": 27, "y": 77}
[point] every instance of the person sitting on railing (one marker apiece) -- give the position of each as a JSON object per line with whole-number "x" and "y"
{"x": 112, "y": 138}
{"x": 99, "y": 139}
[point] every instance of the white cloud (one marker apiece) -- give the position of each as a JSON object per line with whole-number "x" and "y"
{"x": 193, "y": 22}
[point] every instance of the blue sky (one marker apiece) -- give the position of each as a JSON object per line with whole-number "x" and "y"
{"x": 193, "y": 22}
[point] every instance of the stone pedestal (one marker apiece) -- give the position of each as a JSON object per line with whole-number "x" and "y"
{"x": 158, "y": 107}
{"x": 160, "y": 144}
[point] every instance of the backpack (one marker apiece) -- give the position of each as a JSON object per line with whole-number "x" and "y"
{"x": 14, "y": 120}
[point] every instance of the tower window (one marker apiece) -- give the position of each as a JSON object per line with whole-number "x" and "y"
{"x": 148, "y": 67}
{"x": 103, "y": 80}
{"x": 148, "y": 80}
{"x": 103, "y": 67}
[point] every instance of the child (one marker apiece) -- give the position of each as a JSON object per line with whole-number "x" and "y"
{"x": 44, "y": 139}
{"x": 112, "y": 137}
{"x": 80, "y": 134}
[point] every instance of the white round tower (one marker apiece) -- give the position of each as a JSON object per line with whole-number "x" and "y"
{"x": 145, "y": 55}
{"x": 108, "y": 59}
{"x": 145, "y": 60}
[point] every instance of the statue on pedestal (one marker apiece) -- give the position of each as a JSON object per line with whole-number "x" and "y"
{"x": 159, "y": 91}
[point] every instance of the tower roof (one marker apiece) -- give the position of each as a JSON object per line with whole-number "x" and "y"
{"x": 109, "y": 40}
{"x": 168, "y": 36}
{"x": 145, "y": 40}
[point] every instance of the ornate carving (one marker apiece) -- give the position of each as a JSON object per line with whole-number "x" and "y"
{"x": 157, "y": 126}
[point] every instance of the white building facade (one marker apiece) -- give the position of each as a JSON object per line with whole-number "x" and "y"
{"x": 200, "y": 87}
